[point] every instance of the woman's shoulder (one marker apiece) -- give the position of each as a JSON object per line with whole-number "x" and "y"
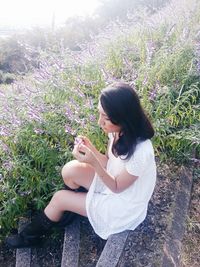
{"x": 142, "y": 158}
{"x": 144, "y": 144}
{"x": 143, "y": 149}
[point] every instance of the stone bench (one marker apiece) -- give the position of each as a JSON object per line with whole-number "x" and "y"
{"x": 109, "y": 256}
{"x": 112, "y": 254}
{"x": 23, "y": 255}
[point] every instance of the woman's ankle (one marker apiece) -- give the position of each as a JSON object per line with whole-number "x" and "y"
{"x": 51, "y": 215}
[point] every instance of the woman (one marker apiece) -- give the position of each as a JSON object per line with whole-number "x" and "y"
{"x": 119, "y": 183}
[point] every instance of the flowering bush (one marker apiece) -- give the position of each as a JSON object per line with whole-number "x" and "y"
{"x": 41, "y": 114}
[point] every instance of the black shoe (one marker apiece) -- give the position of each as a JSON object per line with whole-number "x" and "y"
{"x": 32, "y": 233}
{"x": 18, "y": 241}
{"x": 67, "y": 218}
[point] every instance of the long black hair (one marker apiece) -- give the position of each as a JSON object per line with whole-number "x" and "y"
{"x": 122, "y": 106}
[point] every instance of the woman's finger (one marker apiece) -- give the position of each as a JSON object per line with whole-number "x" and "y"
{"x": 83, "y": 148}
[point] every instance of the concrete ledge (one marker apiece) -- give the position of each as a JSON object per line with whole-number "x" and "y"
{"x": 113, "y": 250}
{"x": 172, "y": 245}
{"x": 70, "y": 254}
{"x": 23, "y": 255}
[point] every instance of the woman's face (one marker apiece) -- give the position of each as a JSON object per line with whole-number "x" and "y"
{"x": 105, "y": 123}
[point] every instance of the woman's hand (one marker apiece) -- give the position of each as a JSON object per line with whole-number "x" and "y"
{"x": 83, "y": 140}
{"x": 87, "y": 142}
{"x": 83, "y": 154}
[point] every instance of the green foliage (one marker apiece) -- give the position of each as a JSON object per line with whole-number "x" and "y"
{"x": 163, "y": 65}
{"x": 37, "y": 155}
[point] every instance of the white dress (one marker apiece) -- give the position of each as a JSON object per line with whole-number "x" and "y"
{"x": 111, "y": 213}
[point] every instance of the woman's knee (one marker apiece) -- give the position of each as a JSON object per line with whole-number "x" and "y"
{"x": 58, "y": 197}
{"x": 68, "y": 169}
{"x": 77, "y": 174}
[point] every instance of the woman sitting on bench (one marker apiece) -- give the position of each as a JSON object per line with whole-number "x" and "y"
{"x": 118, "y": 184}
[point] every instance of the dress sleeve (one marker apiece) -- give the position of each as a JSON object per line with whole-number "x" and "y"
{"x": 139, "y": 161}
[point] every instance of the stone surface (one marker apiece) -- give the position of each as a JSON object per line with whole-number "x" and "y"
{"x": 172, "y": 246}
{"x": 23, "y": 255}
{"x": 157, "y": 241}
{"x": 113, "y": 250}
{"x": 70, "y": 255}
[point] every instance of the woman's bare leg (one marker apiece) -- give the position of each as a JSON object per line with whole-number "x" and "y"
{"x": 76, "y": 174}
{"x": 65, "y": 200}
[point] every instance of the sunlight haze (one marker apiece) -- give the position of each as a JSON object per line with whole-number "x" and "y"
{"x": 23, "y": 13}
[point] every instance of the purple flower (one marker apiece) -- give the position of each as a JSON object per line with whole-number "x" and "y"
{"x": 92, "y": 118}
{"x": 8, "y": 165}
{"x": 4, "y": 147}
{"x": 69, "y": 113}
{"x": 38, "y": 131}
{"x": 145, "y": 81}
{"x": 24, "y": 193}
{"x": 69, "y": 130}
{"x": 4, "y": 131}
{"x": 2, "y": 94}
{"x": 33, "y": 116}
{"x": 150, "y": 49}
{"x": 195, "y": 160}
{"x": 153, "y": 92}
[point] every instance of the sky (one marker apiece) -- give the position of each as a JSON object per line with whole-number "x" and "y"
{"x": 28, "y": 13}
